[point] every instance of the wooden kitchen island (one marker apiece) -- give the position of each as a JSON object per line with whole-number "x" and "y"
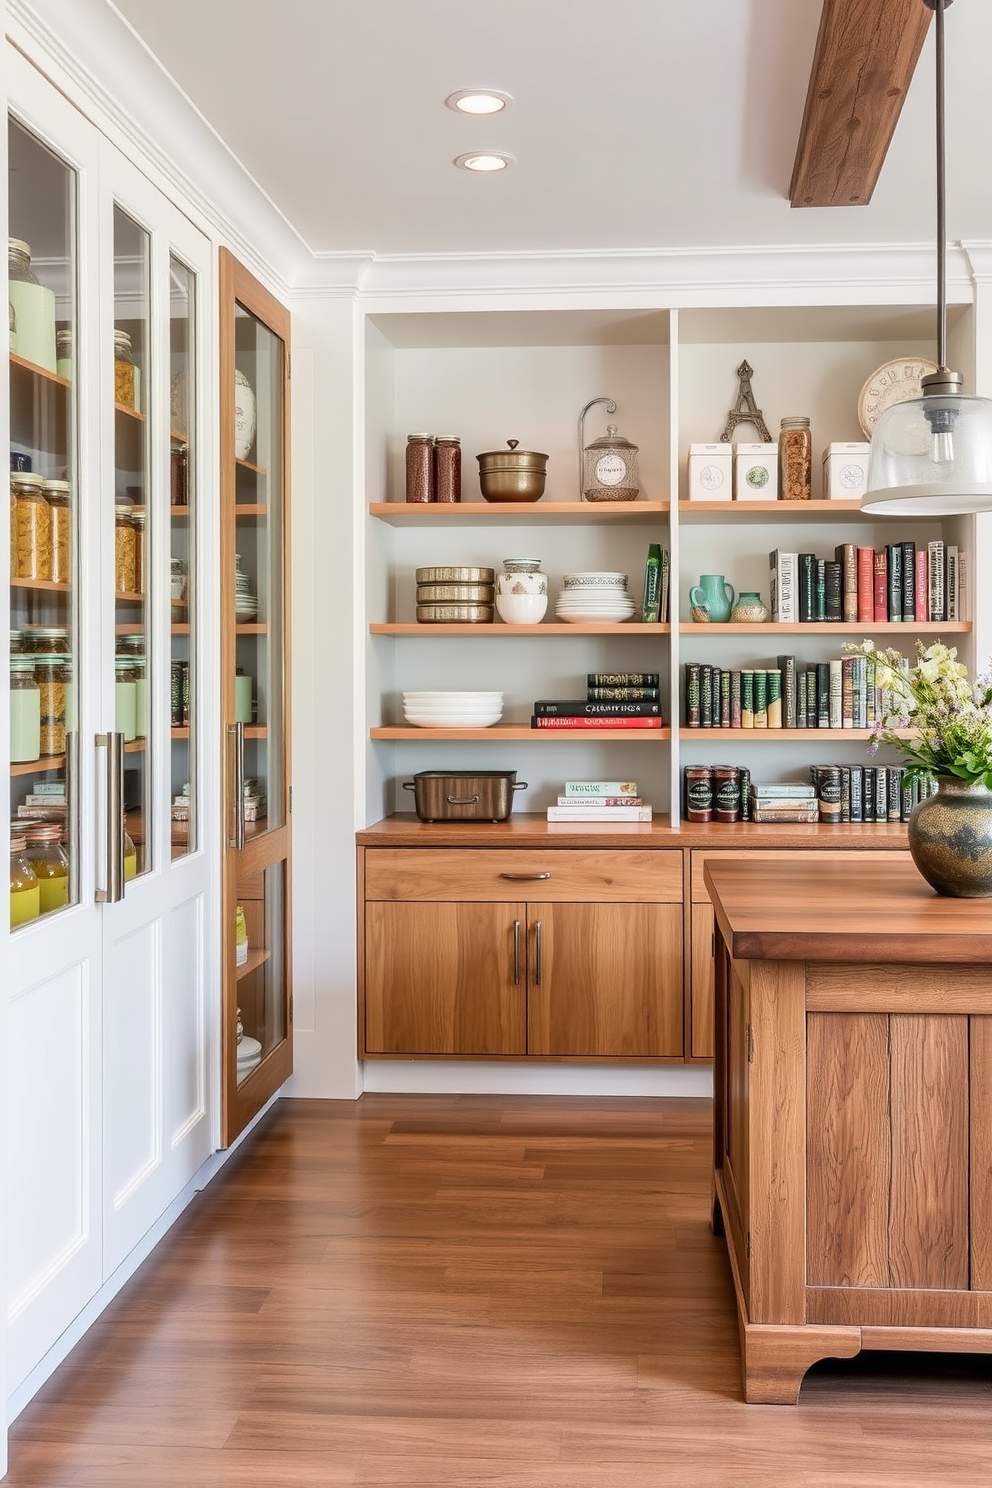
{"x": 853, "y": 1114}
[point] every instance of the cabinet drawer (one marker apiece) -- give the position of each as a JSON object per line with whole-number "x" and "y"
{"x": 626, "y": 875}
{"x": 767, "y": 855}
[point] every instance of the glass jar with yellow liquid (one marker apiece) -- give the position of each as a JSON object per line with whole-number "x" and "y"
{"x": 130, "y": 857}
{"x": 25, "y": 894}
{"x": 48, "y": 858}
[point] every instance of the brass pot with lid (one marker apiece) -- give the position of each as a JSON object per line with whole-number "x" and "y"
{"x": 512, "y": 474}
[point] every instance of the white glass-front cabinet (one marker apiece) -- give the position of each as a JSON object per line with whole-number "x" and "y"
{"x": 111, "y": 366}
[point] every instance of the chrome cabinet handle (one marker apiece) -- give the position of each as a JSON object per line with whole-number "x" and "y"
{"x": 524, "y": 877}
{"x": 237, "y": 837}
{"x": 113, "y": 743}
{"x": 516, "y": 953}
{"x": 537, "y": 952}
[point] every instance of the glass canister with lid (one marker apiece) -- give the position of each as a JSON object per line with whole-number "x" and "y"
{"x": 63, "y": 353}
{"x": 33, "y": 306}
{"x": 25, "y": 893}
{"x": 138, "y": 521}
{"x": 124, "y": 370}
{"x": 47, "y": 856}
{"x": 125, "y": 548}
{"x": 57, "y": 496}
{"x": 25, "y": 711}
{"x": 125, "y": 698}
{"x": 30, "y": 527}
{"x": 53, "y": 675}
{"x": 131, "y": 651}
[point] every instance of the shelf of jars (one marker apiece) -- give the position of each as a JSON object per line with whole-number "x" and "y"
{"x": 829, "y": 627}
{"x": 529, "y": 514}
{"x": 518, "y": 732}
{"x": 549, "y": 628}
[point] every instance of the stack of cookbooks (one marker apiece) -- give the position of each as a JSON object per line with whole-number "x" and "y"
{"x": 600, "y": 801}
{"x": 627, "y": 700}
{"x": 785, "y": 801}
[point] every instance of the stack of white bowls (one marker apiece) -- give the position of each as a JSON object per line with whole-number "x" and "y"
{"x": 596, "y": 597}
{"x": 452, "y": 709}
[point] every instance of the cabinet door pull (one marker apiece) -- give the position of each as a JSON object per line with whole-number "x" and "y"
{"x": 114, "y": 801}
{"x": 516, "y": 953}
{"x": 537, "y": 952}
{"x": 237, "y": 837}
{"x": 524, "y": 877}
{"x": 72, "y": 817}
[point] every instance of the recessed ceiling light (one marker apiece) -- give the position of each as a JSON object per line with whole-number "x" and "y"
{"x": 478, "y": 101}
{"x": 484, "y": 160}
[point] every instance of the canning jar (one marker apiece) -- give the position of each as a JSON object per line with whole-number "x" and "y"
{"x": 130, "y": 857}
{"x": 124, "y": 393}
{"x": 448, "y": 468}
{"x": 57, "y": 496}
{"x": 795, "y": 460}
{"x": 47, "y": 640}
{"x": 52, "y": 676}
{"x": 48, "y": 858}
{"x": 30, "y": 527}
{"x": 63, "y": 354}
{"x": 25, "y": 895}
{"x": 125, "y": 699}
{"x": 137, "y": 663}
{"x": 420, "y": 468}
{"x": 138, "y": 520}
{"x": 25, "y": 711}
{"x": 125, "y": 544}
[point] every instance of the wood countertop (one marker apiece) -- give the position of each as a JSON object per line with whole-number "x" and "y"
{"x": 534, "y": 830}
{"x": 843, "y": 911}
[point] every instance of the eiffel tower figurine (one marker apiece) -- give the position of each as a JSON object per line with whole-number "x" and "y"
{"x": 745, "y": 411}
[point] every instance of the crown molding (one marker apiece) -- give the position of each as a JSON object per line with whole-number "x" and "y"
{"x": 95, "y": 59}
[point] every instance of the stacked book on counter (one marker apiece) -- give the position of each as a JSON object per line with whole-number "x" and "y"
{"x": 627, "y": 700}
{"x": 600, "y": 801}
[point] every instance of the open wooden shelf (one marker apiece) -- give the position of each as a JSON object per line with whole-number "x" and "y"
{"x": 526, "y": 513}
{"x": 125, "y": 596}
{"x": 782, "y": 511}
{"x": 251, "y": 509}
{"x": 136, "y": 746}
{"x": 494, "y": 628}
{"x": 46, "y": 586}
{"x": 251, "y": 629}
{"x": 180, "y": 733}
{"x": 179, "y": 510}
{"x": 762, "y": 735}
{"x": 518, "y": 732}
{"x": 131, "y": 413}
{"x": 253, "y": 469}
{"x": 830, "y": 627}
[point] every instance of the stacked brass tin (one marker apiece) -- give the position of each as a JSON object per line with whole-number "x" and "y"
{"x": 447, "y": 596}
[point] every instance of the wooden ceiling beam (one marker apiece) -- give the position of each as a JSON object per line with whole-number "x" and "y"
{"x": 866, "y": 53}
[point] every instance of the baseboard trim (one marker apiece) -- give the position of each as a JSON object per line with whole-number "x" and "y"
{"x": 424, "y": 1076}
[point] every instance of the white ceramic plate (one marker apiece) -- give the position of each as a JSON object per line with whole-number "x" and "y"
{"x": 574, "y": 618}
{"x": 418, "y": 721}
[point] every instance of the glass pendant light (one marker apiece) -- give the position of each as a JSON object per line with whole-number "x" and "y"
{"x": 933, "y": 454}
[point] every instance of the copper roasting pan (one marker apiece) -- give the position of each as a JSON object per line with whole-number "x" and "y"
{"x": 464, "y": 795}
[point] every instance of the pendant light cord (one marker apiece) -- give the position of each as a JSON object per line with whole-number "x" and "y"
{"x": 941, "y": 214}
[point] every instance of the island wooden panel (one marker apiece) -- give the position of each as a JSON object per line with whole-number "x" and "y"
{"x": 607, "y": 981}
{"x": 980, "y": 1176}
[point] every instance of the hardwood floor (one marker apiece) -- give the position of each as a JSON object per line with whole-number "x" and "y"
{"x": 439, "y": 1292}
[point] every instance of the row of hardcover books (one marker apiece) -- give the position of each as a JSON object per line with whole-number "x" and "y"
{"x": 900, "y": 582}
{"x": 840, "y": 693}
{"x": 835, "y": 793}
{"x": 611, "y": 701}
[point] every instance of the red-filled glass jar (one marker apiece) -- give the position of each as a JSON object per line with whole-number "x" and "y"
{"x": 420, "y": 468}
{"x": 448, "y": 468}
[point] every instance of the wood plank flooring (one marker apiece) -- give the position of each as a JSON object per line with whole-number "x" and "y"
{"x": 442, "y": 1292}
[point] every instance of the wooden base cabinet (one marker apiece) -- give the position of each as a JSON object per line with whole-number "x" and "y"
{"x": 457, "y": 963}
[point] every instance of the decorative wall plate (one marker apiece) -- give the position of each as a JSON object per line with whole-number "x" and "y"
{"x": 893, "y": 382}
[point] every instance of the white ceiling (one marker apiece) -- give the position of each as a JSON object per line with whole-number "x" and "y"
{"x": 638, "y": 124}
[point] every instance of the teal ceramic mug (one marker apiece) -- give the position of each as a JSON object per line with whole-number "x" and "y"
{"x": 715, "y": 596}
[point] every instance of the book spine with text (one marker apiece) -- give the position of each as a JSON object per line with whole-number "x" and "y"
{"x": 893, "y": 554}
{"x": 623, "y": 679}
{"x": 935, "y": 569}
{"x": 787, "y": 667}
{"x": 594, "y": 723}
{"x": 577, "y": 708}
{"x": 866, "y": 580}
{"x": 600, "y": 814}
{"x": 582, "y": 803}
{"x": 782, "y": 571}
{"x": 951, "y": 582}
{"x": 836, "y": 694}
{"x": 623, "y": 694}
{"x": 820, "y": 589}
{"x": 880, "y": 591}
{"x": 908, "y": 581}
{"x": 599, "y": 788}
{"x": 807, "y": 587}
{"x": 921, "y": 585}
{"x": 833, "y": 590}
{"x": 846, "y": 554}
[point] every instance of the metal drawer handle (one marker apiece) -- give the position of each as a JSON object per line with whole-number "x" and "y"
{"x": 462, "y": 800}
{"x": 516, "y": 953}
{"x": 537, "y": 952}
{"x": 524, "y": 877}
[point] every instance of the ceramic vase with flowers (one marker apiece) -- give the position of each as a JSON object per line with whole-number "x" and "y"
{"x": 941, "y": 723}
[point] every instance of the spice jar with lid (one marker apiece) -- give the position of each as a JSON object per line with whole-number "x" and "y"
{"x": 420, "y": 468}
{"x": 33, "y": 305}
{"x": 47, "y": 856}
{"x": 25, "y": 711}
{"x": 124, "y": 369}
{"x": 125, "y": 544}
{"x": 25, "y": 894}
{"x": 47, "y": 640}
{"x": 30, "y": 527}
{"x": 125, "y": 699}
{"x": 795, "y": 460}
{"x": 57, "y": 496}
{"x": 448, "y": 468}
{"x": 52, "y": 675}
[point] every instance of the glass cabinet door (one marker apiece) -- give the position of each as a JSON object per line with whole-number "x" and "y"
{"x": 45, "y": 660}
{"x": 183, "y": 585}
{"x": 254, "y": 375}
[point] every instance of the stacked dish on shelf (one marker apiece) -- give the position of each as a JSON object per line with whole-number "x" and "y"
{"x": 452, "y": 709}
{"x": 245, "y": 600}
{"x": 599, "y": 596}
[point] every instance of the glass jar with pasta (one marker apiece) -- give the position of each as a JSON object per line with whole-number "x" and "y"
{"x": 52, "y": 676}
{"x": 57, "y": 496}
{"x": 30, "y": 527}
{"x": 125, "y": 549}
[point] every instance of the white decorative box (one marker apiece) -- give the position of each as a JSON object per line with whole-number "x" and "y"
{"x": 755, "y": 472}
{"x": 845, "y": 471}
{"x": 710, "y": 472}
